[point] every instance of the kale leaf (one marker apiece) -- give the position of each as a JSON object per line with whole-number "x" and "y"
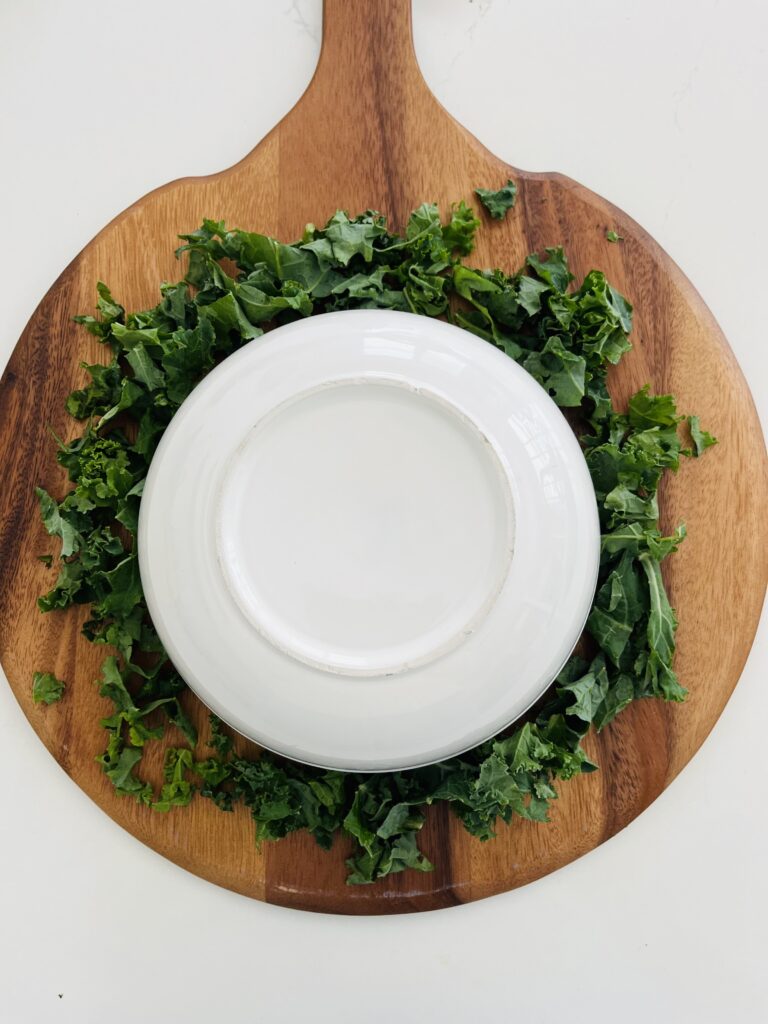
{"x": 498, "y": 202}
{"x": 46, "y": 688}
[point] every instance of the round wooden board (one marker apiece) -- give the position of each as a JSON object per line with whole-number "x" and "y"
{"x": 368, "y": 133}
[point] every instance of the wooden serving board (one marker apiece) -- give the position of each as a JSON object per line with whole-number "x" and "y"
{"x": 368, "y": 133}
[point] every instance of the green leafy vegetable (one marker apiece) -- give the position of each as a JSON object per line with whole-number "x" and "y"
{"x": 613, "y": 237}
{"x": 701, "y": 439}
{"x": 46, "y": 688}
{"x": 238, "y": 284}
{"x": 498, "y": 202}
{"x": 177, "y": 790}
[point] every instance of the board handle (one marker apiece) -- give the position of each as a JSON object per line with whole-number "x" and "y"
{"x": 368, "y": 44}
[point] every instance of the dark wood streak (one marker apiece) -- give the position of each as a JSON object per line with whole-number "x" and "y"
{"x": 405, "y": 149}
{"x": 392, "y": 193}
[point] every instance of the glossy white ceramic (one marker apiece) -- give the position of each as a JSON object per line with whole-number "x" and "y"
{"x": 368, "y": 540}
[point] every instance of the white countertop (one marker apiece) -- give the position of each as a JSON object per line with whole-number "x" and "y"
{"x": 661, "y": 108}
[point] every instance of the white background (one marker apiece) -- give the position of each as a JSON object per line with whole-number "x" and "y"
{"x": 660, "y": 107}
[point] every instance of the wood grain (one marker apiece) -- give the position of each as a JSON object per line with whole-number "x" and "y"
{"x": 368, "y": 133}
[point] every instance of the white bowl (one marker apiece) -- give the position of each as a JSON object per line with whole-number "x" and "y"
{"x": 368, "y": 540}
